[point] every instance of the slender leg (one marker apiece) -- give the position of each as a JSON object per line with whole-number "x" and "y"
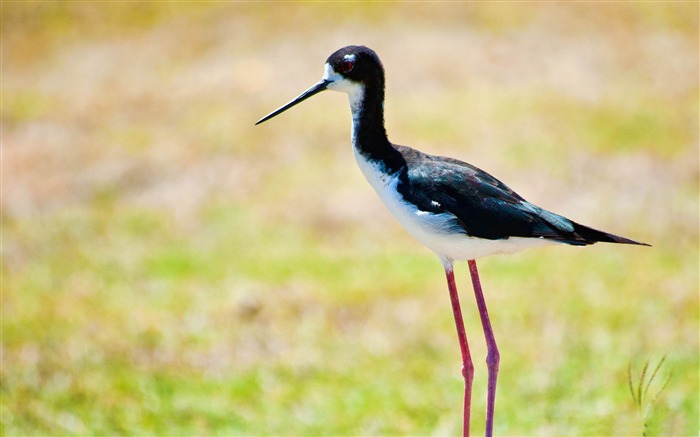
{"x": 492, "y": 355}
{"x": 467, "y": 366}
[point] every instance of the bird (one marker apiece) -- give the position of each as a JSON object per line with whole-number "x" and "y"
{"x": 457, "y": 210}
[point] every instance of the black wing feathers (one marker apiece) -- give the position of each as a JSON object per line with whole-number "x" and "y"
{"x": 483, "y": 206}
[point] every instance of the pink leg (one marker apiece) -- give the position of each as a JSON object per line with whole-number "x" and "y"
{"x": 492, "y": 355}
{"x": 467, "y": 366}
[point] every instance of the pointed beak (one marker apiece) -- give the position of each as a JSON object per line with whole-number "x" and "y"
{"x": 322, "y": 85}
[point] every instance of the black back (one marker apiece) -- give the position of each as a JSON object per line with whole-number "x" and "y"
{"x": 482, "y": 205}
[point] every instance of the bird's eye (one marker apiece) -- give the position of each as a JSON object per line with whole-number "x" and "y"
{"x": 346, "y": 66}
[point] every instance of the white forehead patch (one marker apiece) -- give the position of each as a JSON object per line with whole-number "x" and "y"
{"x": 329, "y": 73}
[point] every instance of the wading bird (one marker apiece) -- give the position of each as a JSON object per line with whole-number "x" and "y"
{"x": 455, "y": 209}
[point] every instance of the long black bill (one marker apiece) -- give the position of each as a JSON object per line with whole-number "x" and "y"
{"x": 305, "y": 95}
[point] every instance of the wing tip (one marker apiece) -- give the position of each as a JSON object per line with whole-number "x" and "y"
{"x": 591, "y": 236}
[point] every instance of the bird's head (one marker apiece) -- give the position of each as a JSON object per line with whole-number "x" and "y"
{"x": 351, "y": 69}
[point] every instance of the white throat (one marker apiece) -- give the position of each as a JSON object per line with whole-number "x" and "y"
{"x": 354, "y": 90}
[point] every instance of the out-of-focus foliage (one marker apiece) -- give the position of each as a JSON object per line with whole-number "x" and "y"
{"x": 169, "y": 268}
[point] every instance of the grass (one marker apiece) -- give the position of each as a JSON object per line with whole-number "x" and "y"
{"x": 640, "y": 394}
{"x": 170, "y": 269}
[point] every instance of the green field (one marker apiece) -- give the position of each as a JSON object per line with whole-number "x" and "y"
{"x": 170, "y": 269}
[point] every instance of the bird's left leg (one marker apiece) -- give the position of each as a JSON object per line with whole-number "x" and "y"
{"x": 492, "y": 355}
{"x": 467, "y": 366}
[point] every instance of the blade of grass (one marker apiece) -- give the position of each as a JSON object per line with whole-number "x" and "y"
{"x": 641, "y": 383}
{"x": 663, "y": 386}
{"x": 653, "y": 375}
{"x": 629, "y": 381}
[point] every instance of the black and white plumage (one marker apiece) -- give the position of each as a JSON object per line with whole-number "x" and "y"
{"x": 457, "y": 210}
{"x": 454, "y": 208}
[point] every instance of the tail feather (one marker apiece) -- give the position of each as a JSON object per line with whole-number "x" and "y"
{"x": 585, "y": 235}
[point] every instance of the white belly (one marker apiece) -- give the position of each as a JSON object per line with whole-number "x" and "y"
{"x": 436, "y": 230}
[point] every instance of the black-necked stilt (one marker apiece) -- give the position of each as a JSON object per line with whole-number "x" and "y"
{"x": 455, "y": 209}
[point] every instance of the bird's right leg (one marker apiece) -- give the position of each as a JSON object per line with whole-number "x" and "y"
{"x": 493, "y": 357}
{"x": 467, "y": 366}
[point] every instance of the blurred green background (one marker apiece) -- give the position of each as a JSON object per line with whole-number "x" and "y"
{"x": 168, "y": 268}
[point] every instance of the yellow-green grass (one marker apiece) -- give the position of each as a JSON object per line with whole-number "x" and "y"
{"x": 168, "y": 268}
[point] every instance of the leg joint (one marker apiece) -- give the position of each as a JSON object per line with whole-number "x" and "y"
{"x": 493, "y": 358}
{"x": 468, "y": 370}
